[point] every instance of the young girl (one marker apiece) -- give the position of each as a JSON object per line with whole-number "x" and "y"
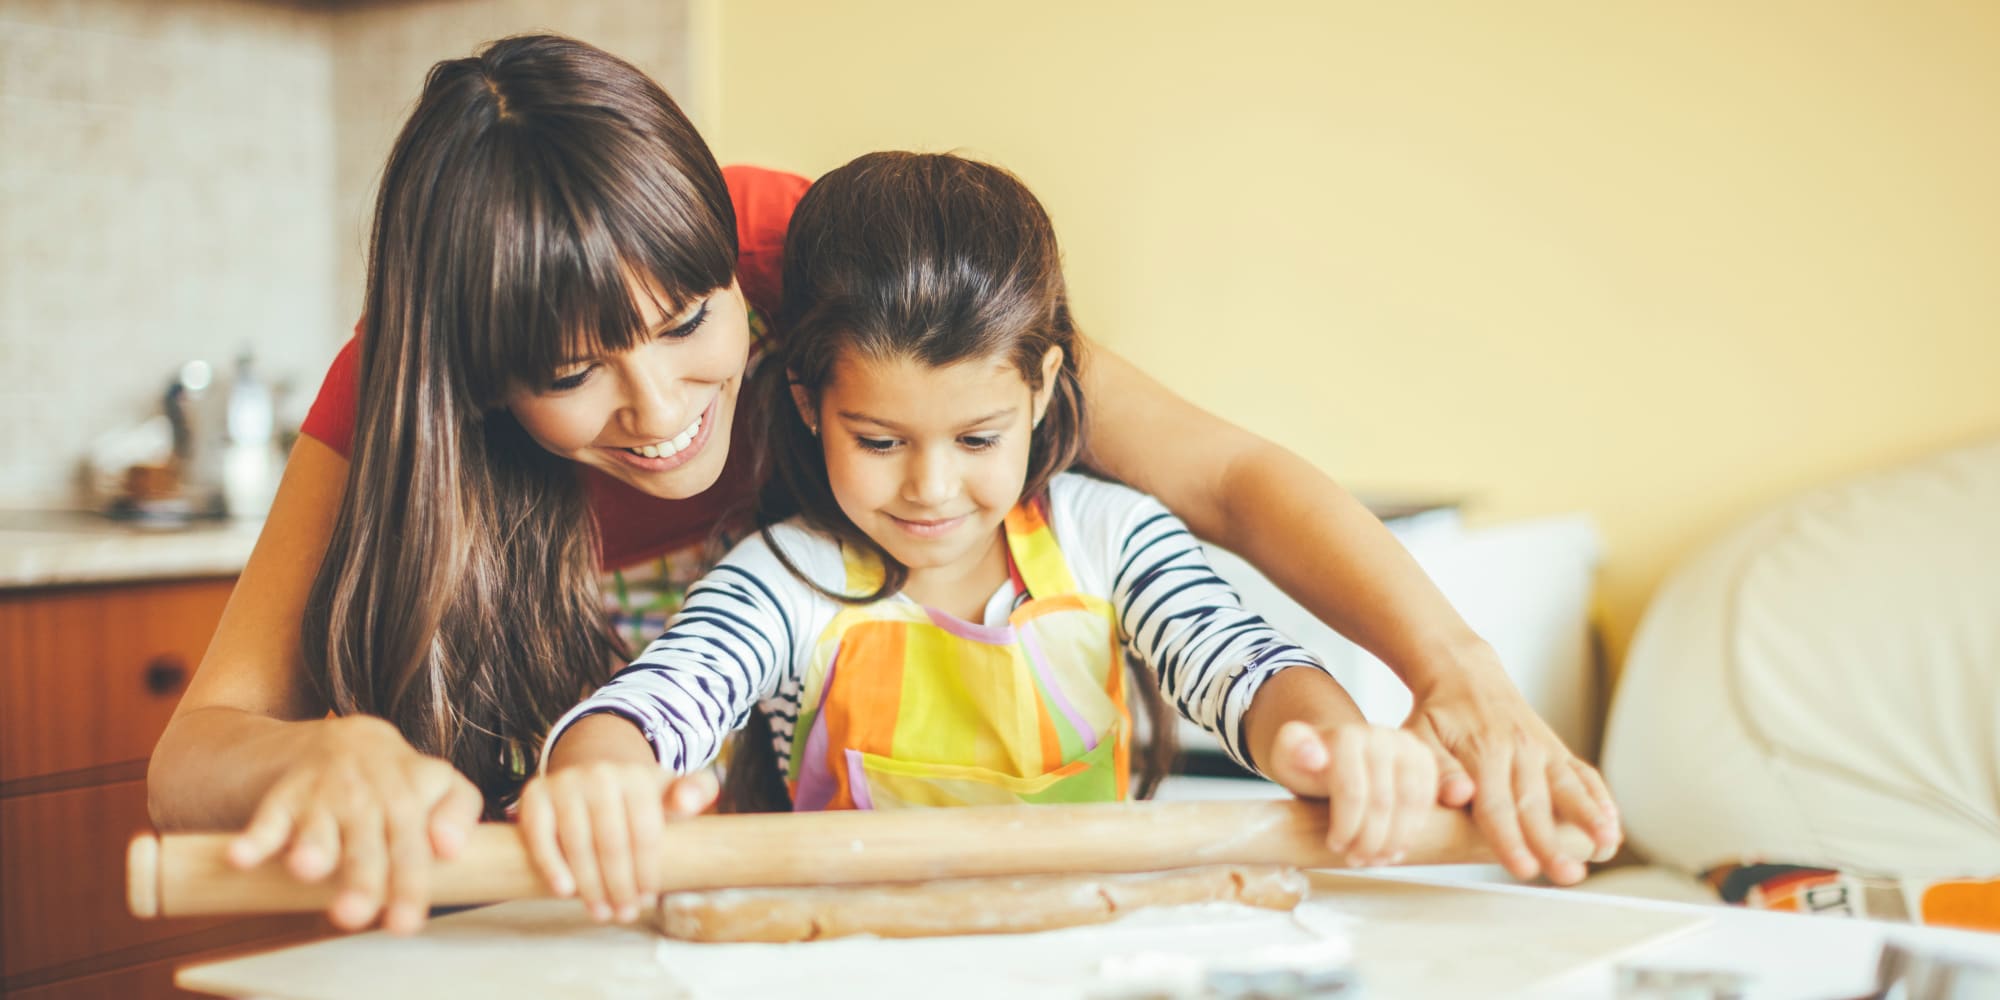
{"x": 563, "y": 292}
{"x": 943, "y": 615}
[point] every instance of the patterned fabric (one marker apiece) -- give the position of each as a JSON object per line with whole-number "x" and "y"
{"x": 915, "y": 707}
{"x": 749, "y": 630}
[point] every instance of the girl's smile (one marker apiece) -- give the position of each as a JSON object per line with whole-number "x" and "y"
{"x": 927, "y": 461}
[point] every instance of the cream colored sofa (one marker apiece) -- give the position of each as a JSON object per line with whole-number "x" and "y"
{"x": 1822, "y": 685}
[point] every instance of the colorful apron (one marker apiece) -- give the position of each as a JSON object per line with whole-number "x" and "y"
{"x": 907, "y": 706}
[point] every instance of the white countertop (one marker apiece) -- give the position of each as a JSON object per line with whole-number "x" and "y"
{"x": 47, "y": 549}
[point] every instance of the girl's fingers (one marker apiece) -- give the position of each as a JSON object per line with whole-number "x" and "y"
{"x": 1416, "y": 781}
{"x": 647, "y": 822}
{"x": 1367, "y": 848}
{"x": 689, "y": 795}
{"x": 1300, "y": 759}
{"x": 1347, "y": 792}
{"x": 579, "y": 847}
{"x": 610, "y": 830}
{"x": 537, "y": 828}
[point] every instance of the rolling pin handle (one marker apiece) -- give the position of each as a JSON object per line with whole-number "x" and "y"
{"x": 142, "y": 875}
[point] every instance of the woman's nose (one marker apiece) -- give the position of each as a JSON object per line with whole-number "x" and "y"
{"x": 653, "y": 410}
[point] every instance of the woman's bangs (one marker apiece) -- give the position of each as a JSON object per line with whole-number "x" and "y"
{"x": 573, "y": 264}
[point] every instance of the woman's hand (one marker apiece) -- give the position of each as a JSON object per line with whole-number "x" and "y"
{"x": 593, "y": 830}
{"x": 1520, "y": 779}
{"x": 1380, "y": 784}
{"x": 367, "y": 808}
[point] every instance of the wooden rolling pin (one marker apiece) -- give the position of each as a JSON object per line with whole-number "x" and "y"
{"x": 182, "y": 874}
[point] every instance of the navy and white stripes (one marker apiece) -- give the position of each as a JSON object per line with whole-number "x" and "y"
{"x": 746, "y": 632}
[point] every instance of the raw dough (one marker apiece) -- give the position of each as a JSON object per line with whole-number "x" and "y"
{"x": 1015, "y": 905}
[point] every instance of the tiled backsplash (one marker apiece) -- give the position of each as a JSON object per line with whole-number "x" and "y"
{"x": 188, "y": 179}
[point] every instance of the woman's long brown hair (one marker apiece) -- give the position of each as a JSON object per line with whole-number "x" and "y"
{"x": 536, "y": 184}
{"x": 926, "y": 256}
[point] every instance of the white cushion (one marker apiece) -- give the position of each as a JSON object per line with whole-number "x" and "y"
{"x": 1822, "y": 686}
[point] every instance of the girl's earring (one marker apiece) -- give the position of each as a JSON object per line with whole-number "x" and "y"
{"x": 812, "y": 429}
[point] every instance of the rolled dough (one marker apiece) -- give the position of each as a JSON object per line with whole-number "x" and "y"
{"x": 1015, "y": 905}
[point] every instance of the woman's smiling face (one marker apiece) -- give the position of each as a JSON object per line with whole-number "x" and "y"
{"x": 657, "y": 416}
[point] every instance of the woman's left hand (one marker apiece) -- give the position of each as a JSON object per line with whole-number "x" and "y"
{"x": 1520, "y": 779}
{"x": 1380, "y": 784}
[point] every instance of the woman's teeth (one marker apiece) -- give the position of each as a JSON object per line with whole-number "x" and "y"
{"x": 670, "y": 446}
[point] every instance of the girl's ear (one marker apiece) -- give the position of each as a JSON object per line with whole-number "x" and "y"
{"x": 1051, "y": 364}
{"x": 803, "y": 400}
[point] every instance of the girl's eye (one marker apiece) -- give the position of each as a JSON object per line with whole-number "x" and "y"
{"x": 568, "y": 382}
{"x": 980, "y": 442}
{"x": 687, "y": 329}
{"x": 875, "y": 444}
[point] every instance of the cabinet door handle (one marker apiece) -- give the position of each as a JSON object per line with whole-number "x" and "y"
{"x": 166, "y": 674}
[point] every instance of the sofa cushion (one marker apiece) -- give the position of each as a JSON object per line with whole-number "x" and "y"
{"x": 1822, "y": 685}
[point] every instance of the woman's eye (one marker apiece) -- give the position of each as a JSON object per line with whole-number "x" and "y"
{"x": 875, "y": 444}
{"x": 571, "y": 381}
{"x": 687, "y": 329}
{"x": 980, "y": 442}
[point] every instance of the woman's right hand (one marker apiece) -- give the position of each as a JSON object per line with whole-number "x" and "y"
{"x": 593, "y": 830}
{"x": 368, "y": 809}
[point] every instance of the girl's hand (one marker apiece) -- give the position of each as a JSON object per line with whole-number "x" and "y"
{"x": 593, "y": 830}
{"x": 1380, "y": 784}
{"x": 1501, "y": 757}
{"x": 368, "y": 806}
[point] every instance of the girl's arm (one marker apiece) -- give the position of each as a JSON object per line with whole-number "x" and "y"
{"x": 250, "y": 747}
{"x": 1336, "y": 559}
{"x": 629, "y": 758}
{"x": 1272, "y": 703}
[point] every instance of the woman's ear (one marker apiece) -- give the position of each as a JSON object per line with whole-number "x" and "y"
{"x": 803, "y": 400}
{"x": 1051, "y": 364}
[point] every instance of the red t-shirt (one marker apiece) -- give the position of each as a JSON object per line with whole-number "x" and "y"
{"x": 636, "y": 526}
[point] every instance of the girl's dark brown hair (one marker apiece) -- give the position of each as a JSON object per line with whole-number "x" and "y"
{"x": 936, "y": 258}
{"x": 533, "y": 187}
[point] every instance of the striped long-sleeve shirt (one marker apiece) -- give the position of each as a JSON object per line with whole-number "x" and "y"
{"x": 744, "y": 637}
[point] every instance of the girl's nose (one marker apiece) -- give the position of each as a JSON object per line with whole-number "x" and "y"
{"x": 933, "y": 477}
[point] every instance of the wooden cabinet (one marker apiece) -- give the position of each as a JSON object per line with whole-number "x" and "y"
{"x": 88, "y": 679}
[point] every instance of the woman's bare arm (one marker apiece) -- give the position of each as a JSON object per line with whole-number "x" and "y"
{"x": 250, "y": 746}
{"x": 1321, "y": 546}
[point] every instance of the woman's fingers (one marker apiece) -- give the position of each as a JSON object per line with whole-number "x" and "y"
{"x": 364, "y": 866}
{"x": 270, "y": 829}
{"x": 316, "y": 847}
{"x": 409, "y": 852}
{"x": 455, "y": 814}
{"x": 1493, "y": 809}
{"x": 1534, "y": 806}
{"x": 1603, "y": 826}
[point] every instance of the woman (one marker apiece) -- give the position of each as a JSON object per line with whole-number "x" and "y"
{"x": 555, "y": 281}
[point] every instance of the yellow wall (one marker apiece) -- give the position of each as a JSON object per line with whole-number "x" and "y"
{"x": 1661, "y": 262}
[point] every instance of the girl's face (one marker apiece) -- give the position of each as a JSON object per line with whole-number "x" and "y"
{"x": 657, "y": 416}
{"x": 927, "y": 461}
